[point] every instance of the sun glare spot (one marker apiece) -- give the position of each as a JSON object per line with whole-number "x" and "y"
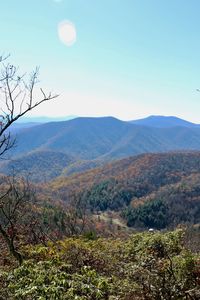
{"x": 67, "y": 33}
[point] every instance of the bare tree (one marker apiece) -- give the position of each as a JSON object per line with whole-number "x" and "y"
{"x": 76, "y": 215}
{"x": 16, "y": 199}
{"x": 18, "y": 96}
{"x": 68, "y": 217}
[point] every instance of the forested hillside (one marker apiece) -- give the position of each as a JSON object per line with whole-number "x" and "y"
{"x": 169, "y": 206}
{"x": 40, "y": 166}
{"x": 159, "y": 190}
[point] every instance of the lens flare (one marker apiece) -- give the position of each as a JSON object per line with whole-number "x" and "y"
{"x": 67, "y": 33}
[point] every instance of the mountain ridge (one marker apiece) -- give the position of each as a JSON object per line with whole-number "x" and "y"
{"x": 93, "y": 142}
{"x": 164, "y": 122}
{"x": 90, "y": 138}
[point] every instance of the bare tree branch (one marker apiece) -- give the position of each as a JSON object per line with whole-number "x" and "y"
{"x": 17, "y": 98}
{"x": 16, "y": 199}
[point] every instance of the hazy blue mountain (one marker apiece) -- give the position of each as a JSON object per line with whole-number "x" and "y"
{"x": 27, "y": 122}
{"x": 105, "y": 138}
{"x": 86, "y": 138}
{"x": 18, "y": 126}
{"x": 44, "y": 119}
{"x": 164, "y": 122}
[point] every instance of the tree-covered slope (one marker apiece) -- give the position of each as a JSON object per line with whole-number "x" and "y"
{"x": 153, "y": 170}
{"x": 40, "y": 166}
{"x": 133, "y": 181}
{"x": 169, "y": 206}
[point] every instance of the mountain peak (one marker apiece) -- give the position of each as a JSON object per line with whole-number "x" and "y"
{"x": 163, "y": 122}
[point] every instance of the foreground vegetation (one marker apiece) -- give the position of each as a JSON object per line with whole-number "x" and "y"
{"x": 144, "y": 266}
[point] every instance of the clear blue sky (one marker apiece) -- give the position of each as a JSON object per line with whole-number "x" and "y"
{"x": 132, "y": 58}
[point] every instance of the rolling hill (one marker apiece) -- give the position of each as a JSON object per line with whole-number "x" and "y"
{"x": 154, "y": 170}
{"x": 159, "y": 190}
{"x": 39, "y": 166}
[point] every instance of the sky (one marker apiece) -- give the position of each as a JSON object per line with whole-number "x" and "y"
{"x": 122, "y": 58}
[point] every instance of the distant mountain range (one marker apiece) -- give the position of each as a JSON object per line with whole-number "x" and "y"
{"x": 27, "y": 122}
{"x": 106, "y": 138}
{"x": 90, "y": 142}
{"x": 44, "y": 119}
{"x": 151, "y": 121}
{"x": 164, "y": 122}
{"x": 154, "y": 121}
